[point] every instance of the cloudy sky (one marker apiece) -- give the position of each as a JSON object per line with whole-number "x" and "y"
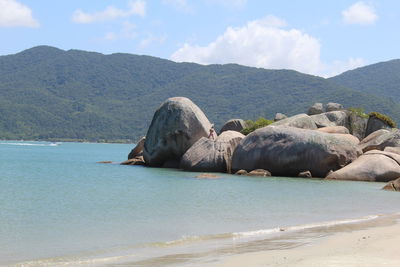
{"x": 312, "y": 36}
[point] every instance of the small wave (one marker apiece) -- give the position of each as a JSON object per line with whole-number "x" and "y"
{"x": 264, "y": 232}
{"x": 29, "y": 144}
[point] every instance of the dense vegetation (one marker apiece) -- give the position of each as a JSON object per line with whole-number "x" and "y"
{"x": 254, "y": 125}
{"x": 389, "y": 121}
{"x": 48, "y": 93}
{"x": 380, "y": 79}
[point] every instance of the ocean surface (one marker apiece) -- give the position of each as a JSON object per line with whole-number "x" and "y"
{"x": 59, "y": 207}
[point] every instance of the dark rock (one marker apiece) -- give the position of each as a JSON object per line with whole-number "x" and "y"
{"x": 393, "y": 185}
{"x": 373, "y": 166}
{"x": 357, "y": 125}
{"x": 306, "y": 174}
{"x": 212, "y": 155}
{"x": 234, "y": 125}
{"x": 259, "y": 172}
{"x": 280, "y": 116}
{"x": 298, "y": 121}
{"x": 138, "y": 149}
{"x": 317, "y": 108}
{"x": 332, "y": 118}
{"x": 286, "y": 151}
{"x": 177, "y": 124}
{"x": 334, "y": 129}
{"x": 374, "y": 124}
{"x": 333, "y": 107}
{"x": 380, "y": 139}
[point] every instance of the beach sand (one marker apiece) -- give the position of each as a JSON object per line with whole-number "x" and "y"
{"x": 375, "y": 246}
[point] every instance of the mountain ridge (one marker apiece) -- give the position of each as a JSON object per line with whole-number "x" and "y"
{"x": 46, "y": 93}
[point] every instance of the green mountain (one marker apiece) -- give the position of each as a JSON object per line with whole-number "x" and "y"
{"x": 49, "y": 93}
{"x": 381, "y": 79}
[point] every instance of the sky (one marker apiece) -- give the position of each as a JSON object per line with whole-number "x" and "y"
{"x": 315, "y": 37}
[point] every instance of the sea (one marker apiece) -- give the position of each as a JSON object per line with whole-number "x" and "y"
{"x": 59, "y": 207}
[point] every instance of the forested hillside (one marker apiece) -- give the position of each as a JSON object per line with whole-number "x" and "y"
{"x": 381, "y": 79}
{"x": 49, "y": 93}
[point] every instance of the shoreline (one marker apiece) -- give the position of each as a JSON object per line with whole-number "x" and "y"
{"x": 330, "y": 243}
{"x": 371, "y": 243}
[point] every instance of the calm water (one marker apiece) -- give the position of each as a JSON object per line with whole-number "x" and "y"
{"x": 56, "y": 202}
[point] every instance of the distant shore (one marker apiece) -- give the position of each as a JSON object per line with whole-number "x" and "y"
{"x": 358, "y": 245}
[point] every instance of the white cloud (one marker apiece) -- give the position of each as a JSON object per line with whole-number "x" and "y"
{"x": 137, "y": 7}
{"x": 260, "y": 43}
{"x": 178, "y": 4}
{"x": 359, "y": 13}
{"x": 15, "y": 14}
{"x": 267, "y": 44}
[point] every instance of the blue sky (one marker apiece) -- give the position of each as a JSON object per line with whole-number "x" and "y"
{"x": 317, "y": 37}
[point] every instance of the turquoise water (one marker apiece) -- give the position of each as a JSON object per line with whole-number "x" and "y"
{"x": 57, "y": 202}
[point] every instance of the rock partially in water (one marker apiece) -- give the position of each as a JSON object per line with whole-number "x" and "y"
{"x": 393, "y": 185}
{"x": 207, "y": 176}
{"x": 373, "y": 166}
{"x": 177, "y": 124}
{"x": 138, "y": 149}
{"x": 241, "y": 172}
{"x": 212, "y": 155}
{"x": 305, "y": 174}
{"x": 135, "y": 161}
{"x": 259, "y": 172}
{"x": 287, "y": 151}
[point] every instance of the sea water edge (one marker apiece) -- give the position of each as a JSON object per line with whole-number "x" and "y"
{"x": 232, "y": 232}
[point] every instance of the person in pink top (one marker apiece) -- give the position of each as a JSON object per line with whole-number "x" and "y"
{"x": 212, "y": 133}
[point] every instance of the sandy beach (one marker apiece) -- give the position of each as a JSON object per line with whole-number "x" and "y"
{"x": 375, "y": 246}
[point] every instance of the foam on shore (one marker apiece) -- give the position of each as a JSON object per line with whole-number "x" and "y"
{"x": 190, "y": 250}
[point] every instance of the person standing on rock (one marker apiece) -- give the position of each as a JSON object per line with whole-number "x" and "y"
{"x": 212, "y": 133}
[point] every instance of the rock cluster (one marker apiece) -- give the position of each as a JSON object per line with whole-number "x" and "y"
{"x": 324, "y": 143}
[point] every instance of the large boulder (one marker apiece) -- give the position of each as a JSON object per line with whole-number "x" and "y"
{"x": 298, "y": 121}
{"x": 177, "y": 124}
{"x": 393, "y": 185}
{"x": 333, "y": 107}
{"x": 380, "y": 139}
{"x": 137, "y": 151}
{"x": 212, "y": 156}
{"x": 287, "y": 151}
{"x": 234, "y": 125}
{"x": 373, "y": 166}
{"x": 357, "y": 125}
{"x": 375, "y": 124}
{"x": 317, "y": 108}
{"x": 332, "y": 118}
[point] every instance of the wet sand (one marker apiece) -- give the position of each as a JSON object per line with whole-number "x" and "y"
{"x": 378, "y": 245}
